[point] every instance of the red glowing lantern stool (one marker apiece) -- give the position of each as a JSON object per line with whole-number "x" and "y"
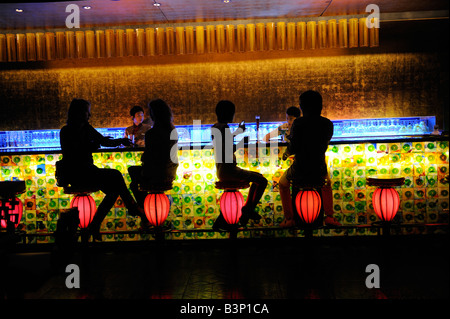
{"x": 385, "y": 199}
{"x": 308, "y": 203}
{"x": 156, "y": 203}
{"x": 84, "y": 202}
{"x": 11, "y": 208}
{"x": 231, "y": 201}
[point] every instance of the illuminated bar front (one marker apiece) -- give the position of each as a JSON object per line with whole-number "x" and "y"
{"x": 401, "y": 147}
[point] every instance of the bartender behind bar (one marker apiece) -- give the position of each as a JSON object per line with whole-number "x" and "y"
{"x": 136, "y": 132}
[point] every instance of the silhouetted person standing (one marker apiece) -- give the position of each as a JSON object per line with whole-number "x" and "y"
{"x": 78, "y": 140}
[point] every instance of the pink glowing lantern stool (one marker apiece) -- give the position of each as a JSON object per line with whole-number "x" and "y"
{"x": 15, "y": 211}
{"x": 84, "y": 202}
{"x": 11, "y": 208}
{"x": 86, "y": 208}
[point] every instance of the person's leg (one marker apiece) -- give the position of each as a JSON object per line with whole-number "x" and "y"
{"x": 327, "y": 200}
{"x": 286, "y": 200}
{"x": 256, "y": 191}
{"x": 136, "y": 175}
{"x": 111, "y": 182}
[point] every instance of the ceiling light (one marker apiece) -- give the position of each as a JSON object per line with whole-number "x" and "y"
{"x": 87, "y": 7}
{"x": 157, "y": 4}
{"x": 19, "y": 10}
{"x": 226, "y": 1}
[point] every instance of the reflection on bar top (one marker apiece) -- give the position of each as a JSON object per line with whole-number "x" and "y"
{"x": 189, "y": 145}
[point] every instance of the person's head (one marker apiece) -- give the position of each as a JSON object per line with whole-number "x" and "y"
{"x": 79, "y": 112}
{"x": 292, "y": 113}
{"x": 225, "y": 111}
{"x": 137, "y": 113}
{"x": 311, "y": 103}
{"x": 160, "y": 112}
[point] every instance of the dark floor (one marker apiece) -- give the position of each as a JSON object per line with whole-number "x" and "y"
{"x": 263, "y": 269}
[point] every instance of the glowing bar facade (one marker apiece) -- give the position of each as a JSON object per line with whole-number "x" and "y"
{"x": 424, "y": 162}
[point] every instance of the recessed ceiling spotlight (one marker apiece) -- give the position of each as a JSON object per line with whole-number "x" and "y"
{"x": 19, "y": 10}
{"x": 157, "y": 4}
{"x": 226, "y": 1}
{"x": 87, "y": 7}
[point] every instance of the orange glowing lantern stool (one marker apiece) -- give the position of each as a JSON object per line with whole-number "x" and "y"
{"x": 11, "y": 208}
{"x": 156, "y": 203}
{"x": 308, "y": 203}
{"x": 84, "y": 202}
{"x": 385, "y": 199}
{"x": 231, "y": 201}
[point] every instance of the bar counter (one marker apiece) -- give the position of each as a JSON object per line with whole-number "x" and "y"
{"x": 422, "y": 160}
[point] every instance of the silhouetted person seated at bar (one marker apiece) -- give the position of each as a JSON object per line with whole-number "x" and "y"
{"x": 138, "y": 129}
{"x": 160, "y": 157}
{"x": 78, "y": 140}
{"x": 226, "y": 168}
{"x": 310, "y": 137}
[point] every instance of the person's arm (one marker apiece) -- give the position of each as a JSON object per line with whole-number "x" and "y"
{"x": 98, "y": 139}
{"x": 293, "y": 139}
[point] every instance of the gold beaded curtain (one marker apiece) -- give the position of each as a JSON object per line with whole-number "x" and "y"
{"x": 181, "y": 40}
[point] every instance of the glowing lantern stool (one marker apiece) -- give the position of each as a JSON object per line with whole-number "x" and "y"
{"x": 385, "y": 199}
{"x": 156, "y": 203}
{"x": 84, "y": 202}
{"x": 11, "y": 208}
{"x": 308, "y": 204}
{"x": 231, "y": 202}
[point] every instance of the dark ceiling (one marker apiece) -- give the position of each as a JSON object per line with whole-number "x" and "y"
{"x": 52, "y": 15}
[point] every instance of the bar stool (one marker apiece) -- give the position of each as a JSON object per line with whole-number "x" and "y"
{"x": 83, "y": 201}
{"x": 156, "y": 203}
{"x": 231, "y": 201}
{"x": 11, "y": 207}
{"x": 385, "y": 199}
{"x": 308, "y": 203}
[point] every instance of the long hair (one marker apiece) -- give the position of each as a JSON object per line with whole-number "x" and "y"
{"x": 160, "y": 113}
{"x": 77, "y": 111}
